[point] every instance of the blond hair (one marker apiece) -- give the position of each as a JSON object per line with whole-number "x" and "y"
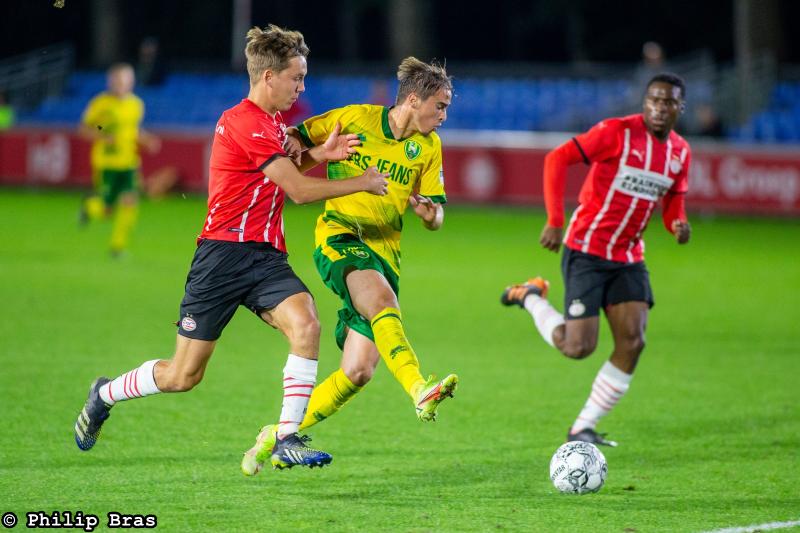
{"x": 420, "y": 78}
{"x": 271, "y": 49}
{"x": 115, "y": 67}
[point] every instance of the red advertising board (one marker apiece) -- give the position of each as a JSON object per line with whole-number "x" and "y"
{"x": 490, "y": 167}
{"x": 59, "y": 158}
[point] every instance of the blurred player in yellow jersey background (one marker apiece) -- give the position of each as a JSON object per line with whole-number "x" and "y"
{"x": 112, "y": 121}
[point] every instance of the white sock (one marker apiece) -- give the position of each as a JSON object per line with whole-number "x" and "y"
{"x": 299, "y": 376}
{"x": 137, "y": 383}
{"x": 545, "y": 316}
{"x": 608, "y": 388}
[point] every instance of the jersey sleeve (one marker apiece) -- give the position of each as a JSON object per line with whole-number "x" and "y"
{"x": 315, "y": 130}
{"x": 602, "y": 142}
{"x": 431, "y": 183}
{"x": 555, "y": 179}
{"x": 259, "y": 143}
{"x": 675, "y": 200}
{"x": 91, "y": 114}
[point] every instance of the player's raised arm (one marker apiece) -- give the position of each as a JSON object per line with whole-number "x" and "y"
{"x": 303, "y": 189}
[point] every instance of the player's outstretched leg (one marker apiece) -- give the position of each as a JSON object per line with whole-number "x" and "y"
{"x": 255, "y": 458}
{"x": 399, "y": 356}
{"x": 516, "y": 294}
{"x": 90, "y": 420}
{"x": 292, "y": 450}
{"x": 532, "y": 296}
{"x": 432, "y": 394}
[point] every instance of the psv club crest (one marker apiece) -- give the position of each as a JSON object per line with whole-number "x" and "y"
{"x": 412, "y": 149}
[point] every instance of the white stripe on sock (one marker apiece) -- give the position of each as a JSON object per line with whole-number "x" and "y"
{"x": 608, "y": 388}
{"x": 137, "y": 383}
{"x": 299, "y": 376}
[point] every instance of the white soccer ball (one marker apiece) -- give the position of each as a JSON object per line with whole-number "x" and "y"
{"x": 578, "y": 467}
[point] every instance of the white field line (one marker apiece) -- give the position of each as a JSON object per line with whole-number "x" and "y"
{"x": 759, "y": 527}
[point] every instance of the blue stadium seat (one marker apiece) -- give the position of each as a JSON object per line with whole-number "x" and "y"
{"x": 509, "y": 103}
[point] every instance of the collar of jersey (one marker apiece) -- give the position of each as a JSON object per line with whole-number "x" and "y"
{"x": 387, "y": 130}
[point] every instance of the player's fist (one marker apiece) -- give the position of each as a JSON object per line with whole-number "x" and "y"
{"x": 551, "y": 238}
{"x": 375, "y": 182}
{"x": 293, "y": 149}
{"x": 682, "y": 230}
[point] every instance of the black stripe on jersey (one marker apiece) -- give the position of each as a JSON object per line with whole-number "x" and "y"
{"x": 266, "y": 163}
{"x": 583, "y": 154}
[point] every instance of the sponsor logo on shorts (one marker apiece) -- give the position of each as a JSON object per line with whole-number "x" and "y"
{"x": 188, "y": 324}
{"x": 576, "y": 308}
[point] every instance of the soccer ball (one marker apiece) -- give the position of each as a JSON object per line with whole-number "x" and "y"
{"x": 578, "y": 467}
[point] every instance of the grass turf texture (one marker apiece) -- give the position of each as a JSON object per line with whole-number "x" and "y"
{"x": 708, "y": 432}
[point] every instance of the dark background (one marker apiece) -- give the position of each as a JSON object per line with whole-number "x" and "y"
{"x": 198, "y": 34}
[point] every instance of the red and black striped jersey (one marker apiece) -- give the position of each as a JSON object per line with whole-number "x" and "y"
{"x": 631, "y": 171}
{"x": 243, "y": 204}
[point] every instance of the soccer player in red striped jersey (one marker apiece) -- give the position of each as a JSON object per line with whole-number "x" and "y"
{"x": 635, "y": 162}
{"x": 241, "y": 253}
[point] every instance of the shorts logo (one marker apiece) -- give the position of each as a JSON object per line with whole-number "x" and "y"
{"x": 576, "y": 308}
{"x": 412, "y": 149}
{"x": 359, "y": 253}
{"x": 188, "y": 324}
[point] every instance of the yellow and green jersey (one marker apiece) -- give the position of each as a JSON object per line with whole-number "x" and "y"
{"x": 120, "y": 118}
{"x": 413, "y": 164}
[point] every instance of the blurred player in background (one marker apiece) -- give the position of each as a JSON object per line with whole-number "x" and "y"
{"x": 358, "y": 240}
{"x": 241, "y": 252}
{"x": 112, "y": 122}
{"x": 636, "y": 161}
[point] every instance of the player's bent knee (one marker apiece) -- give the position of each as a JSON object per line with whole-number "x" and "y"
{"x": 305, "y": 328}
{"x": 579, "y": 350}
{"x": 360, "y": 375}
{"x": 633, "y": 344}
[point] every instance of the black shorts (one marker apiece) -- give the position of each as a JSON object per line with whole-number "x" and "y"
{"x": 225, "y": 275}
{"x": 592, "y": 283}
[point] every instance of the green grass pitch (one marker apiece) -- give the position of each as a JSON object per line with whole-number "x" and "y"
{"x": 709, "y": 432}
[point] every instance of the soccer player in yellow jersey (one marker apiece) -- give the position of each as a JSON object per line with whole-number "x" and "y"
{"x": 358, "y": 240}
{"x": 111, "y": 121}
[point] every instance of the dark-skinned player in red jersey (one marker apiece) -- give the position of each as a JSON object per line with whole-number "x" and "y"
{"x": 241, "y": 257}
{"x": 636, "y": 162}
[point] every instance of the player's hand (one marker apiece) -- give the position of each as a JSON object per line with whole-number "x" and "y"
{"x": 551, "y": 238}
{"x": 294, "y": 149}
{"x": 375, "y": 182}
{"x": 337, "y": 146}
{"x": 151, "y": 143}
{"x": 682, "y": 231}
{"x": 423, "y": 207}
